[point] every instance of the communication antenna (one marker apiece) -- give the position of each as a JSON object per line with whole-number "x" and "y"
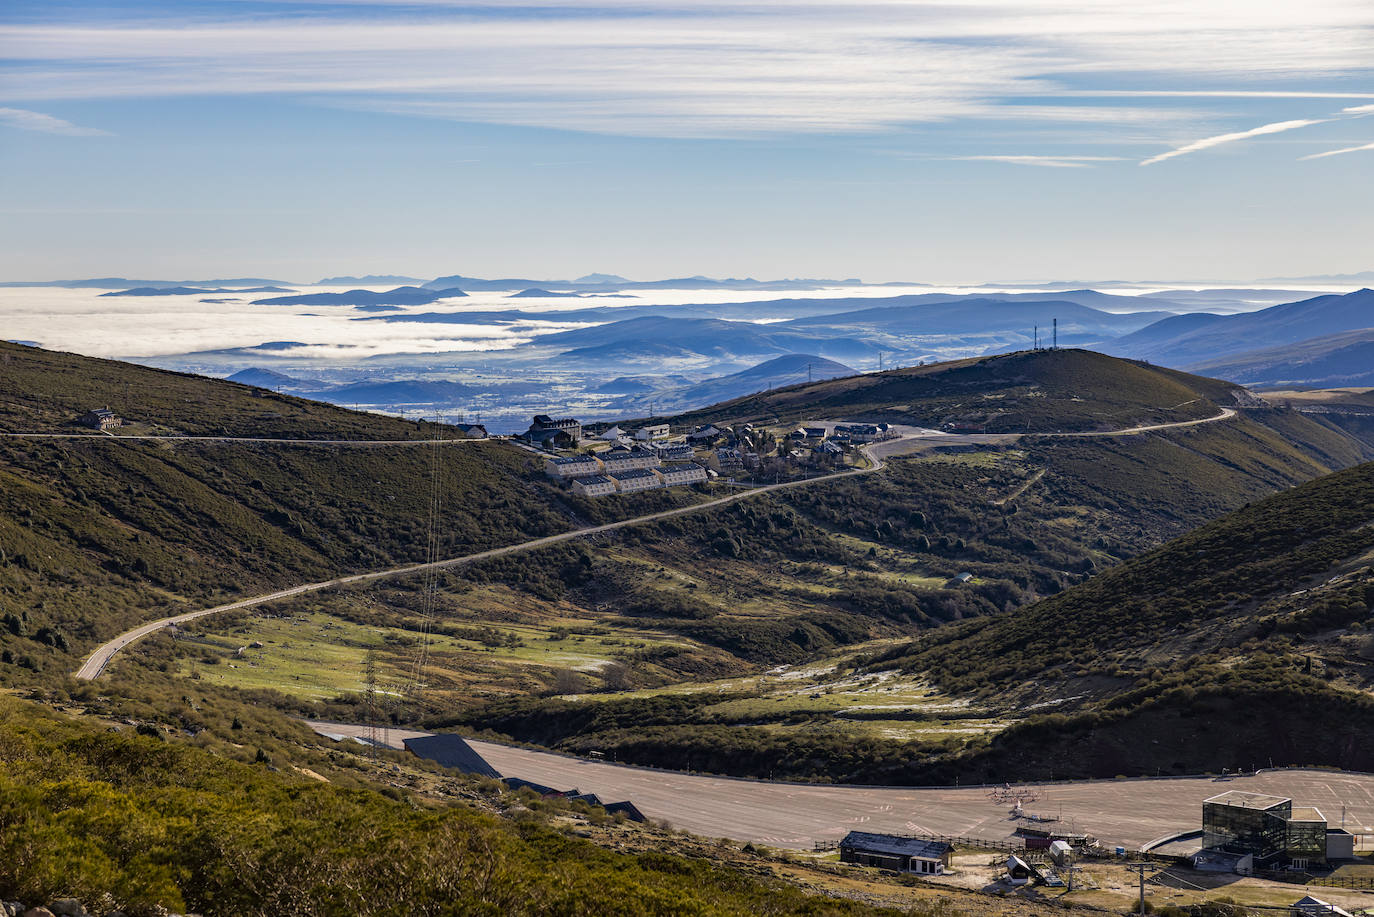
{"x": 1056, "y": 334}
{"x": 1037, "y": 338}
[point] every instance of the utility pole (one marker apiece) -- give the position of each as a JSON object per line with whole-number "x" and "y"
{"x": 1140, "y": 869}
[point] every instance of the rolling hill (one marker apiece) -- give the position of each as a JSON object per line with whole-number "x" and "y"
{"x": 1244, "y": 641}
{"x": 775, "y": 373}
{"x": 1191, "y": 340}
{"x": 1028, "y": 391}
{"x": 651, "y": 338}
{"x": 1332, "y": 361}
{"x": 401, "y": 296}
{"x": 99, "y": 532}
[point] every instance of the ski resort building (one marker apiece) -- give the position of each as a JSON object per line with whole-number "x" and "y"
{"x": 677, "y": 475}
{"x": 896, "y": 852}
{"x": 101, "y": 419}
{"x": 636, "y": 479}
{"x": 621, "y": 459}
{"x": 1270, "y": 829}
{"x": 595, "y": 486}
{"x": 572, "y": 466}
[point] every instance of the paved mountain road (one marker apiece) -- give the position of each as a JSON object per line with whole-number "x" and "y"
{"x": 910, "y": 439}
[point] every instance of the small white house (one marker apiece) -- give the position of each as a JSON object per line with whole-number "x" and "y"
{"x": 652, "y": 431}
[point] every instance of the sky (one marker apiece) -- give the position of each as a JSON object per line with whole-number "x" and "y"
{"x": 960, "y": 141}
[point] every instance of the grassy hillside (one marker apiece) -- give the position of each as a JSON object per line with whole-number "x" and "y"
{"x": 1029, "y": 391}
{"x": 1251, "y": 632}
{"x": 99, "y": 533}
{"x": 132, "y": 822}
{"x": 1298, "y": 562}
{"x": 43, "y": 391}
{"x": 782, "y": 578}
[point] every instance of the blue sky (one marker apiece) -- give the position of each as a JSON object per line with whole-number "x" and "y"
{"x": 960, "y": 141}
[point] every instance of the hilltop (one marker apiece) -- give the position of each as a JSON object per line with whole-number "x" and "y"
{"x": 1038, "y": 391}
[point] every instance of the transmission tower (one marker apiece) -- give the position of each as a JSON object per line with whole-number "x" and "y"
{"x": 376, "y": 729}
{"x": 429, "y": 590}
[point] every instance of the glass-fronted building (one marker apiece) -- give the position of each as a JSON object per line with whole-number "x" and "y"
{"x": 1268, "y": 828}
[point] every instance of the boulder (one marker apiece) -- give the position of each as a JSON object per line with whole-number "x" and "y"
{"x": 38, "y": 912}
{"x": 68, "y": 907}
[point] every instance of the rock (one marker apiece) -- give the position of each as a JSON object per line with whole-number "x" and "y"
{"x": 68, "y": 907}
{"x": 38, "y": 912}
{"x": 11, "y": 908}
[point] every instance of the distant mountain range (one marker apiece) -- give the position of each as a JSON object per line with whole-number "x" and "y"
{"x": 1331, "y": 361}
{"x": 367, "y": 279}
{"x": 1198, "y": 338}
{"x": 401, "y": 296}
{"x": 192, "y": 291}
{"x": 415, "y": 391}
{"x": 775, "y": 373}
{"x": 605, "y": 282}
{"x": 120, "y": 283}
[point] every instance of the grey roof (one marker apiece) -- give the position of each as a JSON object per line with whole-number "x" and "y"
{"x": 633, "y": 473}
{"x": 895, "y": 844}
{"x": 451, "y": 751}
{"x": 1244, "y": 800}
{"x": 595, "y": 479}
{"x": 683, "y": 466}
{"x": 573, "y": 459}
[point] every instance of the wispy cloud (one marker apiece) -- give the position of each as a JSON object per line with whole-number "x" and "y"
{"x": 1207, "y": 143}
{"x": 1359, "y": 110}
{"x": 1053, "y": 162}
{"x": 25, "y": 120}
{"x": 1349, "y": 149}
{"x": 683, "y": 68}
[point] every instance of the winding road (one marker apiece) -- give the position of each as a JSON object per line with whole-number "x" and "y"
{"x": 910, "y": 439}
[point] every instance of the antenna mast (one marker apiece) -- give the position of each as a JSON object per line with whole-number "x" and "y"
{"x": 1056, "y": 334}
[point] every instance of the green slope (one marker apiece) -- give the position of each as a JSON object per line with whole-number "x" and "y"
{"x": 1028, "y": 391}
{"x": 1245, "y": 641}
{"x": 98, "y": 533}
{"x": 126, "y": 822}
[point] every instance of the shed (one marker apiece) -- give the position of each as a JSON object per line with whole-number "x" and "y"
{"x": 1019, "y": 871}
{"x": 1340, "y": 844}
{"x": 896, "y": 852}
{"x": 1312, "y": 907}
{"x": 1060, "y": 852}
